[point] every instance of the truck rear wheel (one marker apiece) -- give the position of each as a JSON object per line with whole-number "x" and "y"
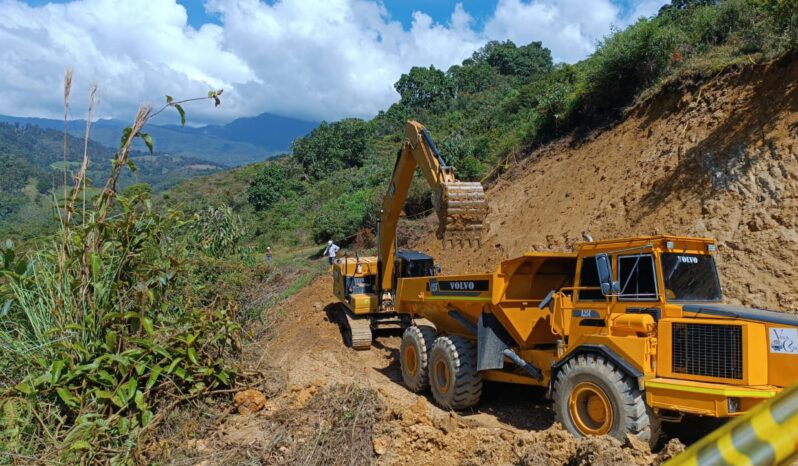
{"x": 453, "y": 375}
{"x": 414, "y": 354}
{"x": 593, "y": 397}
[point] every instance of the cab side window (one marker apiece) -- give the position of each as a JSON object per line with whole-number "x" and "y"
{"x": 588, "y": 277}
{"x": 637, "y": 277}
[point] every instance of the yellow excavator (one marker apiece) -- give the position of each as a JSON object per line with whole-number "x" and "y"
{"x": 366, "y": 286}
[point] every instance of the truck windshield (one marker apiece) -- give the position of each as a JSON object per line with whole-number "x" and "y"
{"x": 690, "y": 277}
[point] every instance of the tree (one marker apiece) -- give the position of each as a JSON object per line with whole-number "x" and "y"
{"x": 272, "y": 184}
{"x": 333, "y": 146}
{"x": 138, "y": 189}
{"x": 425, "y": 88}
{"x": 685, "y": 4}
{"x": 471, "y": 77}
{"x": 508, "y": 59}
{"x": 343, "y": 216}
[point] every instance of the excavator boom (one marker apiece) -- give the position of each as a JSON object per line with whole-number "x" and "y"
{"x": 460, "y": 206}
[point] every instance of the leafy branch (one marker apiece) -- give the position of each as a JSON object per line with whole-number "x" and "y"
{"x": 129, "y": 134}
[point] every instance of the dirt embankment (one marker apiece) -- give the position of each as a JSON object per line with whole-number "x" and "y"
{"x": 717, "y": 158}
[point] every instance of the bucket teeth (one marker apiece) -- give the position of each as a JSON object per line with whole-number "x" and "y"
{"x": 461, "y": 209}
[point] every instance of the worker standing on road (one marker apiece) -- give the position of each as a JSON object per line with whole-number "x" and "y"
{"x": 330, "y": 251}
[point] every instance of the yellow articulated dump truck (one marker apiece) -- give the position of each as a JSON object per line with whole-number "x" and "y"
{"x": 624, "y": 333}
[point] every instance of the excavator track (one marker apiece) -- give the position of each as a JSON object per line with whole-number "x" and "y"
{"x": 356, "y": 329}
{"x": 461, "y": 209}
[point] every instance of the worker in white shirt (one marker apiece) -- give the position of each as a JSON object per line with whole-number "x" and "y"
{"x": 330, "y": 251}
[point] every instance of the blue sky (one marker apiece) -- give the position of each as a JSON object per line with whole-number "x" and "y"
{"x": 399, "y": 10}
{"x": 311, "y": 59}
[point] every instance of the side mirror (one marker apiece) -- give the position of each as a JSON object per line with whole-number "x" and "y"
{"x": 438, "y": 269}
{"x": 604, "y": 268}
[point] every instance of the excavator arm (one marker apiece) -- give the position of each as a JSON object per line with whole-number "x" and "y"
{"x": 460, "y": 206}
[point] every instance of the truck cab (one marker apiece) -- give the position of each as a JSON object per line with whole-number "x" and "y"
{"x": 657, "y": 304}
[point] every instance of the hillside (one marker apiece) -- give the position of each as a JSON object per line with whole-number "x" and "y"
{"x": 266, "y": 131}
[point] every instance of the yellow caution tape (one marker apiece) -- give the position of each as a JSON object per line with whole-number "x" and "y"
{"x": 766, "y": 435}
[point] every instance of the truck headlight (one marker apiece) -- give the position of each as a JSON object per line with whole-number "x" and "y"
{"x": 733, "y": 405}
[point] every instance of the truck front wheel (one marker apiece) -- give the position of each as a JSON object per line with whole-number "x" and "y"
{"x": 593, "y": 397}
{"x": 414, "y": 353}
{"x": 453, "y": 375}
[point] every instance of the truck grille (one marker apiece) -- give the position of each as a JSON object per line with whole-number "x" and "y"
{"x": 709, "y": 350}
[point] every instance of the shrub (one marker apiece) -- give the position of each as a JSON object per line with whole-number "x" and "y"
{"x": 97, "y": 334}
{"x": 464, "y": 155}
{"x": 217, "y": 230}
{"x": 627, "y": 61}
{"x": 333, "y": 146}
{"x": 273, "y": 183}
{"x": 100, "y": 324}
{"x": 341, "y": 218}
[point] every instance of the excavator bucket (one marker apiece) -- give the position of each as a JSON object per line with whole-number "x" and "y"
{"x": 461, "y": 209}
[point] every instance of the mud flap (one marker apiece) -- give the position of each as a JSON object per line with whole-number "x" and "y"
{"x": 492, "y": 340}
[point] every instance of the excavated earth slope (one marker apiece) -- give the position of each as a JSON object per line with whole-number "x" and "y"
{"x": 715, "y": 159}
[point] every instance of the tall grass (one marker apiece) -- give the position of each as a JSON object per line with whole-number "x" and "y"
{"x": 98, "y": 327}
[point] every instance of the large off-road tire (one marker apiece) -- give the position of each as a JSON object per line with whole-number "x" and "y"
{"x": 453, "y": 375}
{"x": 593, "y": 397}
{"x": 414, "y": 354}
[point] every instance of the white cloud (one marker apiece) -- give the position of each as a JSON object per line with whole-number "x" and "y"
{"x": 566, "y": 27}
{"x": 312, "y": 59}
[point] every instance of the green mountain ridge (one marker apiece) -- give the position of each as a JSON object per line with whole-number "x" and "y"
{"x": 242, "y": 141}
{"x": 33, "y": 161}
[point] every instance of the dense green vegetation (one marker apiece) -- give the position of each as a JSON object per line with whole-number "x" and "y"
{"x": 503, "y": 100}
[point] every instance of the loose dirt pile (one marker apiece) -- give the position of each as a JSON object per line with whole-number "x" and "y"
{"x": 715, "y": 158}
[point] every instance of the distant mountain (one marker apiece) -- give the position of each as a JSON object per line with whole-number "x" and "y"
{"x": 41, "y": 149}
{"x": 244, "y": 140}
{"x": 265, "y": 130}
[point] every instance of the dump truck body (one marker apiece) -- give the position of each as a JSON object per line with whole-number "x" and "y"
{"x": 659, "y": 322}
